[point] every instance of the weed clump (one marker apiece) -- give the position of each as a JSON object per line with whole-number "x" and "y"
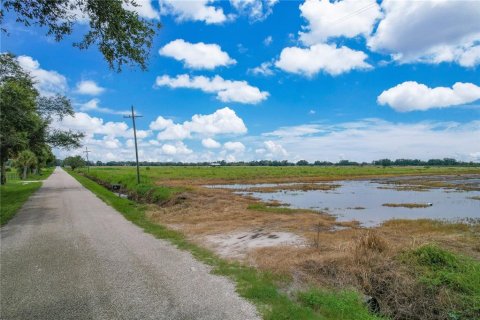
{"x": 453, "y": 279}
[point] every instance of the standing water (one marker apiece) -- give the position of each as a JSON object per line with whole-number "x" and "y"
{"x": 363, "y": 201}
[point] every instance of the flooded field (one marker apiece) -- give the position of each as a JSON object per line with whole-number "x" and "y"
{"x": 372, "y": 202}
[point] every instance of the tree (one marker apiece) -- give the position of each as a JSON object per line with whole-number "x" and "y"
{"x": 302, "y": 163}
{"x": 25, "y": 160}
{"x": 18, "y": 110}
{"x": 74, "y": 162}
{"x": 25, "y": 118}
{"x": 120, "y": 34}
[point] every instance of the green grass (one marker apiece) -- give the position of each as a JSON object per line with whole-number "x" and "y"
{"x": 339, "y": 305}
{"x": 455, "y": 275}
{"x": 14, "y": 194}
{"x": 146, "y": 191}
{"x": 261, "y": 288}
{"x": 165, "y": 173}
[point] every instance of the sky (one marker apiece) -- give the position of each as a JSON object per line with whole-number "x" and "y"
{"x": 281, "y": 80}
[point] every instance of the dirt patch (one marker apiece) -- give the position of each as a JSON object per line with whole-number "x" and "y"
{"x": 239, "y": 244}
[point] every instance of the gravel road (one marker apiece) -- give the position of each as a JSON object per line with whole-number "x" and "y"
{"x": 67, "y": 255}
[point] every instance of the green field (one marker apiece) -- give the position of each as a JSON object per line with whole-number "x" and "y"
{"x": 14, "y": 194}
{"x": 258, "y": 173}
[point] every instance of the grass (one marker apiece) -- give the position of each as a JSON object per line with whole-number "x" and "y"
{"x": 281, "y": 174}
{"x": 475, "y": 198}
{"x": 261, "y": 288}
{"x": 14, "y": 194}
{"x": 266, "y": 208}
{"x": 344, "y": 304}
{"x": 455, "y": 276}
{"x": 407, "y": 205}
{"x": 146, "y": 191}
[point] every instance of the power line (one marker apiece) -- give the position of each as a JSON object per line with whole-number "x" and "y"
{"x": 354, "y": 13}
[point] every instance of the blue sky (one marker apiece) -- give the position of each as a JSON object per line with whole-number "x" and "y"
{"x": 252, "y": 79}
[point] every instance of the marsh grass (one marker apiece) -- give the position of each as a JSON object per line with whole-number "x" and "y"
{"x": 276, "y": 208}
{"x": 407, "y": 205}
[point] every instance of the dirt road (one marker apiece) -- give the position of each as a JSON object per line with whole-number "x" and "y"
{"x": 67, "y": 255}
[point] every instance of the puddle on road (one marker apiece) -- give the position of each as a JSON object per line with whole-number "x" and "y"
{"x": 344, "y": 202}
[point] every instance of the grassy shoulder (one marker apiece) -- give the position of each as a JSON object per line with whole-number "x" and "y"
{"x": 261, "y": 288}
{"x": 15, "y": 193}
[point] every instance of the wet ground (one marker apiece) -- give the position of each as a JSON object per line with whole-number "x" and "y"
{"x": 363, "y": 200}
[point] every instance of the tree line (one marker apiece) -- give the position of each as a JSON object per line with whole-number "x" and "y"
{"x": 26, "y": 132}
{"x": 449, "y": 162}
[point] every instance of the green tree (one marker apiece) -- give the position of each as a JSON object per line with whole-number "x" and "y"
{"x": 74, "y": 162}
{"x": 25, "y": 160}
{"x": 25, "y": 118}
{"x": 120, "y": 34}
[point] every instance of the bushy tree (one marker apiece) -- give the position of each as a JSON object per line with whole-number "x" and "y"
{"x": 120, "y": 34}
{"x": 74, "y": 162}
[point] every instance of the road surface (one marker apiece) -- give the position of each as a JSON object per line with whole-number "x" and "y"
{"x": 67, "y": 255}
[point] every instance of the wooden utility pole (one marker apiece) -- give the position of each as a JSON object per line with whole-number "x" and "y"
{"x": 133, "y": 116}
{"x": 87, "y": 152}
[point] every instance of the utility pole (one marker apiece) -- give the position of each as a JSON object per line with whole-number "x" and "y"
{"x": 133, "y": 116}
{"x": 87, "y": 152}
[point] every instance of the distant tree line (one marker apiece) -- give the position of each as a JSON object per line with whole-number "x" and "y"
{"x": 448, "y": 162}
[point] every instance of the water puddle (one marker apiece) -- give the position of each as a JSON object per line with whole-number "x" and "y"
{"x": 364, "y": 201}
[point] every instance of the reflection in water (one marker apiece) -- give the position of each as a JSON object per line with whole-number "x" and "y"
{"x": 345, "y": 201}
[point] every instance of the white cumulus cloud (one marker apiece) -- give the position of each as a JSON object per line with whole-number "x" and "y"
{"x": 197, "y": 55}
{"x": 178, "y": 148}
{"x": 321, "y": 57}
{"x": 160, "y": 123}
{"x": 264, "y": 69}
{"x": 226, "y": 90}
{"x": 411, "y": 95}
{"x": 47, "y": 82}
{"x": 234, "y": 146}
{"x": 256, "y": 10}
{"x": 429, "y": 31}
{"x": 275, "y": 149}
{"x": 210, "y": 143}
{"x": 143, "y": 8}
{"x": 89, "y": 87}
{"x": 222, "y": 121}
{"x": 198, "y": 10}
{"x": 348, "y": 18}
